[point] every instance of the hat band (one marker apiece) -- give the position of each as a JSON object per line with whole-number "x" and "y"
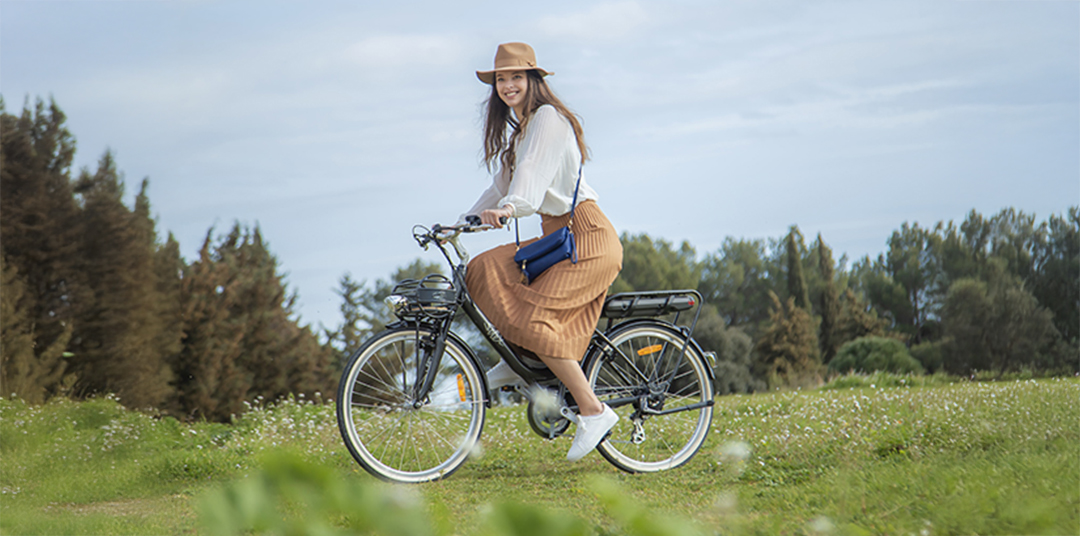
{"x": 522, "y": 64}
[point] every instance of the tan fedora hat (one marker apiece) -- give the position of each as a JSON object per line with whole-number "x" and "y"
{"x": 512, "y": 57}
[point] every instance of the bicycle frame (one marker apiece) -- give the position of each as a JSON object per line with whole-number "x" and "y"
{"x": 600, "y": 346}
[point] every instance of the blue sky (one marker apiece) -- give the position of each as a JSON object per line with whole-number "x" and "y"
{"x": 336, "y": 126}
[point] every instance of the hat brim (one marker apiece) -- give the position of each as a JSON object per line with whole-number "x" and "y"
{"x": 488, "y": 77}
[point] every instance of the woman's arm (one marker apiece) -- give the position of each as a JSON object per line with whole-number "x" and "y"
{"x": 489, "y": 198}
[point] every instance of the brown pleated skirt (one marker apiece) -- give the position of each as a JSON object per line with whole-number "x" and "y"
{"x": 555, "y": 315}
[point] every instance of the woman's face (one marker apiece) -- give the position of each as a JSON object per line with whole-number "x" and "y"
{"x": 511, "y": 86}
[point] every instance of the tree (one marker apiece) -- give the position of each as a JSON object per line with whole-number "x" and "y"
{"x": 856, "y": 319}
{"x": 38, "y": 231}
{"x": 209, "y": 380}
{"x": 242, "y": 340}
{"x": 362, "y": 309}
{"x": 787, "y": 350}
{"x": 117, "y": 330}
{"x": 24, "y": 373}
{"x": 168, "y": 340}
{"x": 1056, "y": 282}
{"x": 650, "y": 264}
{"x": 901, "y": 282}
{"x": 796, "y": 281}
{"x": 995, "y": 326}
{"x": 735, "y": 280}
{"x": 733, "y": 348}
{"x": 829, "y": 305}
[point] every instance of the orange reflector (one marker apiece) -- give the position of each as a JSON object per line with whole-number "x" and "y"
{"x": 461, "y": 387}
{"x": 649, "y": 349}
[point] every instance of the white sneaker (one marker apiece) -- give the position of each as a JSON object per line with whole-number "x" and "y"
{"x": 590, "y": 431}
{"x": 501, "y": 375}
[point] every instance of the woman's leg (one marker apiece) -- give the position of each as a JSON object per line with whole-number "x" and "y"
{"x": 570, "y": 374}
{"x": 595, "y": 419}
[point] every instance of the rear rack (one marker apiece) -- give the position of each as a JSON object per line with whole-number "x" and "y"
{"x": 652, "y": 303}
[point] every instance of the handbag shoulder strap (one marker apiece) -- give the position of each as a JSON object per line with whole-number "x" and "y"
{"x": 573, "y": 207}
{"x": 573, "y": 204}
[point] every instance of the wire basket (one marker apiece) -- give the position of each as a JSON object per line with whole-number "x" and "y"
{"x": 433, "y": 296}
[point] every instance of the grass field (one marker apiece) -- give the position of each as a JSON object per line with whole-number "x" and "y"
{"x": 879, "y": 455}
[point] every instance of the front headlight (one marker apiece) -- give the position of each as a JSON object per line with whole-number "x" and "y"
{"x": 396, "y": 302}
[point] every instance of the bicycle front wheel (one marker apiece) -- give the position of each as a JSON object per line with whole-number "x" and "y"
{"x": 664, "y": 417}
{"x": 391, "y": 434}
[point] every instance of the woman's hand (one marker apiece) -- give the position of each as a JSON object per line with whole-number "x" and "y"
{"x": 491, "y": 216}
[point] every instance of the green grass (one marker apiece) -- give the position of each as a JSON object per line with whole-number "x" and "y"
{"x": 865, "y": 455}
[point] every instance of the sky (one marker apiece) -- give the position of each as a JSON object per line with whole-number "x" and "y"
{"x": 335, "y": 126}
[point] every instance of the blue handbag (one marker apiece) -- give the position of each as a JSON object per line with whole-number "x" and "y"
{"x": 550, "y": 250}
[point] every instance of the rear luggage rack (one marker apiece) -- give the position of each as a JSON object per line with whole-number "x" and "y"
{"x": 653, "y": 303}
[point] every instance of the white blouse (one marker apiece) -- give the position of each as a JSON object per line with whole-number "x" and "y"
{"x": 546, "y": 170}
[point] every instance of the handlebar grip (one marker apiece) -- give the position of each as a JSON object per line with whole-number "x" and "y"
{"x": 502, "y": 220}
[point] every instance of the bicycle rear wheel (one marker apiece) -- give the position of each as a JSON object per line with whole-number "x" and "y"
{"x": 662, "y": 424}
{"x": 395, "y": 437}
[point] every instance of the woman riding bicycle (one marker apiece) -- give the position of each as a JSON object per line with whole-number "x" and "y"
{"x": 537, "y": 167}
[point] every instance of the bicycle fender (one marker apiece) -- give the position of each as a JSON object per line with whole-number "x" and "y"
{"x": 595, "y": 351}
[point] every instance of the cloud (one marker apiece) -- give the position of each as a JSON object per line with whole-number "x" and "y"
{"x": 611, "y": 20}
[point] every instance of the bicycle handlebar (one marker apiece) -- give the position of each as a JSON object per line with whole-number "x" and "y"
{"x": 440, "y": 234}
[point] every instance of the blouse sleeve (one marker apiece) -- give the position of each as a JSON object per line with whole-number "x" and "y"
{"x": 538, "y": 160}
{"x": 490, "y": 197}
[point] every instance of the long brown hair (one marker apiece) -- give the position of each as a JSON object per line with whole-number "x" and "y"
{"x": 499, "y": 146}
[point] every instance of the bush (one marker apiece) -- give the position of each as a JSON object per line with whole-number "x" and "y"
{"x": 870, "y": 354}
{"x": 930, "y": 354}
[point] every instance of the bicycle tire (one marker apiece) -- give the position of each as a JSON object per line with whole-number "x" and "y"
{"x": 665, "y": 441}
{"x": 383, "y": 429}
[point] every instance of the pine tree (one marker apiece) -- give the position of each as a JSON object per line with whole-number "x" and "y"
{"x": 38, "y": 231}
{"x": 209, "y": 382}
{"x": 796, "y": 281}
{"x": 358, "y": 322}
{"x": 829, "y": 306}
{"x": 243, "y": 341}
{"x": 158, "y": 267}
{"x": 168, "y": 270}
{"x": 787, "y": 351}
{"x": 856, "y": 319}
{"x": 24, "y": 374}
{"x": 114, "y": 342}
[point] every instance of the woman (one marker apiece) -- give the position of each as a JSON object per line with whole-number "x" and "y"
{"x": 538, "y": 165}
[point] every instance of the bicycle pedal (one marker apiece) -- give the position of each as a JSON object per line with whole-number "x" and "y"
{"x": 568, "y": 414}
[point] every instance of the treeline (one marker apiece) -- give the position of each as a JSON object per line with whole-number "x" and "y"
{"x": 992, "y": 295}
{"x": 997, "y": 295}
{"x": 94, "y": 301}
